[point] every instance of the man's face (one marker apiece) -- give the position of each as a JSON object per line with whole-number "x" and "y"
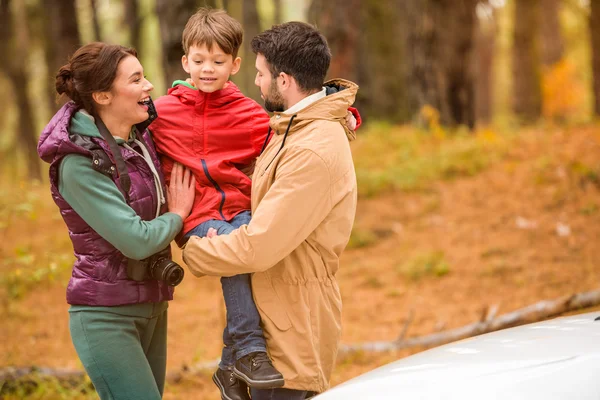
{"x": 268, "y": 86}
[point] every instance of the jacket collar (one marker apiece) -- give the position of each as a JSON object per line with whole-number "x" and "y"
{"x": 333, "y": 107}
{"x": 190, "y": 95}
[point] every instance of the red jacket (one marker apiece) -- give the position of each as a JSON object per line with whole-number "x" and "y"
{"x": 216, "y": 135}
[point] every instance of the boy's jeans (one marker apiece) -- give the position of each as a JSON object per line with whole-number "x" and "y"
{"x": 242, "y": 334}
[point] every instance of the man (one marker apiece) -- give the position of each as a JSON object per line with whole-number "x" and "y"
{"x": 303, "y": 207}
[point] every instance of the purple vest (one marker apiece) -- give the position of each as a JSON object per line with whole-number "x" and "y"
{"x": 99, "y": 275}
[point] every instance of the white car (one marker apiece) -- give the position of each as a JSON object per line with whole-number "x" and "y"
{"x": 554, "y": 359}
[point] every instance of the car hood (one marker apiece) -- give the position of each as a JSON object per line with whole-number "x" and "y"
{"x": 555, "y": 359}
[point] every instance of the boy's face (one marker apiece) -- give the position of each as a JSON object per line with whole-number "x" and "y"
{"x": 209, "y": 69}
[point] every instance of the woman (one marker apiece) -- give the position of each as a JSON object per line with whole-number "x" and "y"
{"x": 105, "y": 178}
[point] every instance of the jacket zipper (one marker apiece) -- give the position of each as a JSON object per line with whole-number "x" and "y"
{"x": 216, "y": 185}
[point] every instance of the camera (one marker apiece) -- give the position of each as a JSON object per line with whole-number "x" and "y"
{"x": 158, "y": 266}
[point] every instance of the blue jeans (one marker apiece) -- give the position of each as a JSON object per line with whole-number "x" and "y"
{"x": 280, "y": 394}
{"x": 242, "y": 334}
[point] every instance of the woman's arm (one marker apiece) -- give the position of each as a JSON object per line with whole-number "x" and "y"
{"x": 97, "y": 200}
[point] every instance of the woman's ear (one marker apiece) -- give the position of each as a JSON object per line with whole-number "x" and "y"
{"x": 102, "y": 98}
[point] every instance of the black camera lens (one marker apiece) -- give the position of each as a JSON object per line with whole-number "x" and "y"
{"x": 167, "y": 270}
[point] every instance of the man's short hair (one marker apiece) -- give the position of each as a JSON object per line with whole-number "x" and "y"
{"x": 298, "y": 49}
{"x": 209, "y": 26}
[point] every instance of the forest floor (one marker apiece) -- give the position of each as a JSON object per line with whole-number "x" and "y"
{"x": 523, "y": 229}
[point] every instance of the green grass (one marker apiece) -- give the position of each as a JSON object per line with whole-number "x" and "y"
{"x": 391, "y": 158}
{"x": 427, "y": 264}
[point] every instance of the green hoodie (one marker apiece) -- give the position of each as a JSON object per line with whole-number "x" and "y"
{"x": 95, "y": 198}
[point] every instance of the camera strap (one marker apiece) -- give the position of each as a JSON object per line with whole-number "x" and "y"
{"x": 124, "y": 178}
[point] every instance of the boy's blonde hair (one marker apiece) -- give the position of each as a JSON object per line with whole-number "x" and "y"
{"x": 209, "y": 26}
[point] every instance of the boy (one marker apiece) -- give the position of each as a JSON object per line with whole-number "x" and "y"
{"x": 217, "y": 132}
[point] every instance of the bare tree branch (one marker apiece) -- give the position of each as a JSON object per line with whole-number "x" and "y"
{"x": 488, "y": 323}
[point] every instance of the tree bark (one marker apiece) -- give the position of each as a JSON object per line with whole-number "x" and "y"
{"x": 552, "y": 44}
{"x": 15, "y": 42}
{"x": 440, "y": 48}
{"x": 595, "y": 39}
{"x": 173, "y": 15}
{"x": 95, "y": 20}
{"x": 64, "y": 31}
{"x": 485, "y": 49}
{"x": 338, "y": 21}
{"x": 251, "y": 23}
{"x": 278, "y": 12}
{"x": 133, "y": 22}
{"x": 527, "y": 100}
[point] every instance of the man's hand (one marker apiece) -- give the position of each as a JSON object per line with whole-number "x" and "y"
{"x": 212, "y": 232}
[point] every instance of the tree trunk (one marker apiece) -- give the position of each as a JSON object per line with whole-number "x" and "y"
{"x": 338, "y": 21}
{"x": 209, "y": 3}
{"x": 552, "y": 44}
{"x": 277, "y": 15}
{"x": 251, "y": 23}
{"x": 95, "y": 20}
{"x": 440, "y": 46}
{"x": 133, "y": 22}
{"x": 364, "y": 58}
{"x": 14, "y": 41}
{"x": 595, "y": 36}
{"x": 485, "y": 49}
{"x": 60, "y": 40}
{"x": 63, "y": 31}
{"x": 527, "y": 101}
{"x": 173, "y": 15}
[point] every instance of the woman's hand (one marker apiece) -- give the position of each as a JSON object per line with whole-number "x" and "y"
{"x": 182, "y": 191}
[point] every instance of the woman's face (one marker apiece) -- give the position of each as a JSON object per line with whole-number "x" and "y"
{"x": 129, "y": 91}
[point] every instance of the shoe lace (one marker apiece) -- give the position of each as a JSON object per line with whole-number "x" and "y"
{"x": 260, "y": 358}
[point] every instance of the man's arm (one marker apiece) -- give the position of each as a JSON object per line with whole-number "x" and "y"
{"x": 296, "y": 203}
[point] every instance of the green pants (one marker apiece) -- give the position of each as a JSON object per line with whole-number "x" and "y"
{"x": 123, "y": 349}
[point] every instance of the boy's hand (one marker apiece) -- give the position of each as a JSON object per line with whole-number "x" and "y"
{"x": 350, "y": 121}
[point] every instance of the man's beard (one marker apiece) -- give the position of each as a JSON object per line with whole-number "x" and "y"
{"x": 274, "y": 99}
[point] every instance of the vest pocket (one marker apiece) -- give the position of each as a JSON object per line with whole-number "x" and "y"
{"x": 268, "y": 301}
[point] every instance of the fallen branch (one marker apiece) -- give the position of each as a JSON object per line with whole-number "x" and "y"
{"x": 536, "y": 312}
{"x": 9, "y": 374}
{"x": 488, "y": 323}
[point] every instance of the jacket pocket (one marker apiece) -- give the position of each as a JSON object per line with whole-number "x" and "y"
{"x": 268, "y": 302}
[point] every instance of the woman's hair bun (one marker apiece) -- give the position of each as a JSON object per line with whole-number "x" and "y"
{"x": 64, "y": 81}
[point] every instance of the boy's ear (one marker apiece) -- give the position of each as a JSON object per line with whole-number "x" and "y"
{"x": 235, "y": 67}
{"x": 102, "y": 98}
{"x": 184, "y": 64}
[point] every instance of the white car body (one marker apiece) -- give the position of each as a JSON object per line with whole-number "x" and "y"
{"x": 554, "y": 359}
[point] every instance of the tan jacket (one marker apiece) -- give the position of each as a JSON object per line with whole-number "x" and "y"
{"x": 303, "y": 207}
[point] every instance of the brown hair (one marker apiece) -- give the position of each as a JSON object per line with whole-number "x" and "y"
{"x": 208, "y": 26}
{"x": 298, "y": 49}
{"x": 92, "y": 68}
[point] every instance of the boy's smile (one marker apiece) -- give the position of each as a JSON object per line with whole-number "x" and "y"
{"x": 210, "y": 69}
